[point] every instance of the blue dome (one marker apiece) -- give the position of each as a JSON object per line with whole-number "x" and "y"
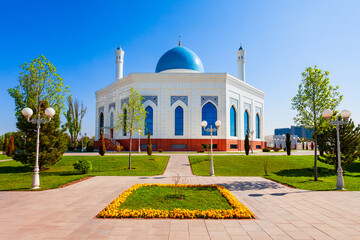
{"x": 179, "y": 58}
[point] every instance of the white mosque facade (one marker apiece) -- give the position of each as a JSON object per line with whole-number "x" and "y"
{"x": 177, "y": 98}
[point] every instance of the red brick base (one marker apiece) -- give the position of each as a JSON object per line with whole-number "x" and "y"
{"x": 191, "y": 144}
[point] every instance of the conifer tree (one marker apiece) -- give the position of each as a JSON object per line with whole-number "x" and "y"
{"x": 149, "y": 145}
{"x": 247, "y": 144}
{"x": 102, "y": 145}
{"x": 11, "y": 147}
{"x": 288, "y": 144}
{"x": 349, "y": 144}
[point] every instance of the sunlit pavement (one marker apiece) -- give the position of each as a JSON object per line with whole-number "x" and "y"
{"x": 281, "y": 212}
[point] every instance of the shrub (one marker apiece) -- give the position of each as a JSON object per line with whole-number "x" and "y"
{"x": 102, "y": 147}
{"x": 83, "y": 166}
{"x": 119, "y": 148}
{"x": 276, "y": 149}
{"x": 247, "y": 144}
{"x": 200, "y": 150}
{"x": 266, "y": 150}
{"x": 90, "y": 146}
{"x": 160, "y": 150}
{"x": 149, "y": 145}
{"x": 71, "y": 148}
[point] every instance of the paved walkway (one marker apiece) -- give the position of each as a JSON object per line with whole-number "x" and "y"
{"x": 282, "y": 212}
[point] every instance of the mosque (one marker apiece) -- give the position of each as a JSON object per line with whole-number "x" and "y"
{"x": 177, "y": 98}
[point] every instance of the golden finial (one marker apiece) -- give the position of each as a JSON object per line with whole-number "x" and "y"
{"x": 179, "y": 40}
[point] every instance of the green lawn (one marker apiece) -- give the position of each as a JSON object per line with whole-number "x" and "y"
{"x": 3, "y": 156}
{"x": 160, "y": 198}
{"x": 296, "y": 171}
{"x": 16, "y": 176}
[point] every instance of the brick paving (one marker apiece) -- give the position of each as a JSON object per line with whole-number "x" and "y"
{"x": 282, "y": 212}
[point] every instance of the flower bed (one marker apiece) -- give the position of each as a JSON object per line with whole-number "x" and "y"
{"x": 238, "y": 211}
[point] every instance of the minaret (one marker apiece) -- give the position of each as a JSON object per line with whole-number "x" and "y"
{"x": 241, "y": 63}
{"x": 119, "y": 53}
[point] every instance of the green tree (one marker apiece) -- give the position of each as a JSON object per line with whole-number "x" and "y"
{"x": 288, "y": 144}
{"x": 1, "y": 143}
{"x": 247, "y": 144}
{"x": 5, "y": 144}
{"x": 135, "y": 116}
{"x": 40, "y": 86}
{"x": 102, "y": 145}
{"x": 315, "y": 94}
{"x": 349, "y": 136}
{"x": 74, "y": 115}
{"x": 149, "y": 145}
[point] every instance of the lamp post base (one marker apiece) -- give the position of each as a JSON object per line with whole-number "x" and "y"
{"x": 36, "y": 180}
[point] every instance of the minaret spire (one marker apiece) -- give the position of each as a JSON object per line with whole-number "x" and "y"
{"x": 179, "y": 40}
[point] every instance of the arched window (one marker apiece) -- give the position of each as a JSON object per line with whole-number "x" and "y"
{"x": 179, "y": 121}
{"x": 246, "y": 123}
{"x": 101, "y": 123}
{"x": 209, "y": 114}
{"x": 232, "y": 121}
{"x": 257, "y": 126}
{"x": 111, "y": 119}
{"x": 124, "y": 121}
{"x": 149, "y": 120}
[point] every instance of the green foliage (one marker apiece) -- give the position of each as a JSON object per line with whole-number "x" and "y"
{"x": 90, "y": 146}
{"x": 40, "y": 86}
{"x": 83, "y": 166}
{"x": 349, "y": 136}
{"x": 288, "y": 144}
{"x": 247, "y": 144}
{"x": 156, "y": 197}
{"x": 11, "y": 147}
{"x": 132, "y": 117}
{"x": 74, "y": 115}
{"x": 5, "y": 144}
{"x": 16, "y": 176}
{"x": 266, "y": 150}
{"x": 315, "y": 94}
{"x": 292, "y": 170}
{"x": 102, "y": 145}
{"x": 149, "y": 145}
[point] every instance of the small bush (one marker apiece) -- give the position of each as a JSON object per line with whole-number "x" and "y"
{"x": 90, "y": 146}
{"x": 71, "y": 148}
{"x": 83, "y": 166}
{"x": 200, "y": 150}
{"x": 276, "y": 149}
{"x": 160, "y": 150}
{"x": 119, "y": 148}
{"x": 266, "y": 150}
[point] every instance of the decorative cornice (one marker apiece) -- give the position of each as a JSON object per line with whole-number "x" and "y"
{"x": 111, "y": 105}
{"x": 184, "y": 99}
{"x": 213, "y": 99}
{"x": 150, "y": 98}
{"x": 235, "y": 102}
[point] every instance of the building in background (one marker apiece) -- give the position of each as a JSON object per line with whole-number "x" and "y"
{"x": 178, "y": 96}
{"x": 301, "y": 132}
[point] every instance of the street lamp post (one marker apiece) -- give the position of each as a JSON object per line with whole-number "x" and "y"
{"x": 82, "y": 141}
{"x": 345, "y": 114}
{"x": 27, "y": 112}
{"x": 139, "y": 131}
{"x": 211, "y": 130}
{"x": 252, "y": 140}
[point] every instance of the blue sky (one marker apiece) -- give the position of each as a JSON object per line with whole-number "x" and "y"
{"x": 282, "y": 38}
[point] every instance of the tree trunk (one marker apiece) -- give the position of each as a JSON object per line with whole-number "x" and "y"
{"x": 130, "y": 150}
